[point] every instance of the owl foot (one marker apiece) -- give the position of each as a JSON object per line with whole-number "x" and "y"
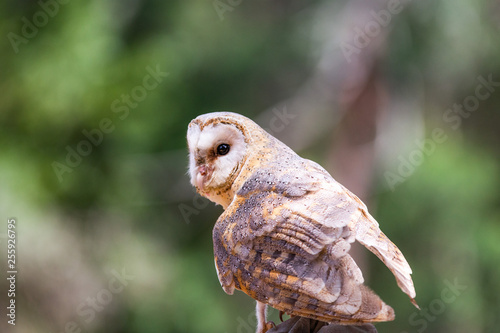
{"x": 268, "y": 326}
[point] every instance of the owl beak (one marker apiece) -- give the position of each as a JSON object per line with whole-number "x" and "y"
{"x": 200, "y": 180}
{"x": 201, "y": 176}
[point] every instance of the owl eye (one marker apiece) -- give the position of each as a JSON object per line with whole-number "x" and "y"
{"x": 222, "y": 149}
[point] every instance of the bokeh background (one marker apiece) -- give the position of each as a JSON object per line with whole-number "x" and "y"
{"x": 399, "y": 100}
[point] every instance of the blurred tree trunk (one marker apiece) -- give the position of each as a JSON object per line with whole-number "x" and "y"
{"x": 351, "y": 158}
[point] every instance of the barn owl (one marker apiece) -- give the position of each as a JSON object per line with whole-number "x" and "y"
{"x": 285, "y": 233}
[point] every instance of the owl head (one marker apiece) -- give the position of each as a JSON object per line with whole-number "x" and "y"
{"x": 218, "y": 147}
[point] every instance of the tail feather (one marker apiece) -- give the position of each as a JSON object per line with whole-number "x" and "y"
{"x": 372, "y": 308}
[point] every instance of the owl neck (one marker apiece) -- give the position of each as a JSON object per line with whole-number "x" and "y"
{"x": 223, "y": 198}
{"x": 225, "y": 194}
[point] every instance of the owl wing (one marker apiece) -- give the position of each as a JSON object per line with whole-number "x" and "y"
{"x": 368, "y": 233}
{"x": 285, "y": 240}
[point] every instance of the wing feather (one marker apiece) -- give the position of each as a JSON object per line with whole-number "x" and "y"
{"x": 368, "y": 233}
{"x": 290, "y": 250}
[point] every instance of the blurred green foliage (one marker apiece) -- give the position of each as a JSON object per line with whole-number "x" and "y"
{"x": 120, "y": 205}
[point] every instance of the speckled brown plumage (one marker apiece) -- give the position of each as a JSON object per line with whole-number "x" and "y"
{"x": 285, "y": 234}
